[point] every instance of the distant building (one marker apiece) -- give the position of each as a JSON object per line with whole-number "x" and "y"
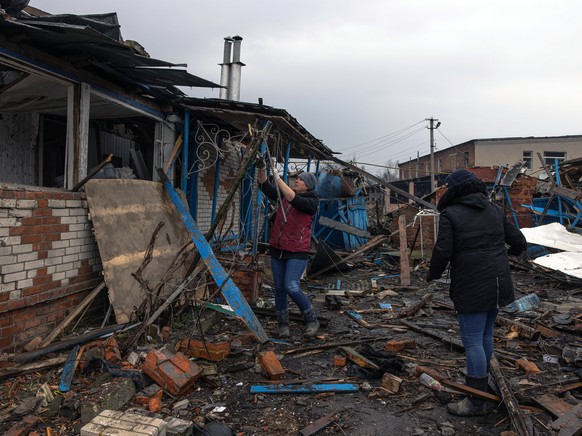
{"x": 495, "y": 152}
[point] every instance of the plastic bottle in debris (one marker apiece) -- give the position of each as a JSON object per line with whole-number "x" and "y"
{"x": 430, "y": 382}
{"x": 528, "y": 302}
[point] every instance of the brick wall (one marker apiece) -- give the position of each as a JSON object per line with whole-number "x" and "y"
{"x": 450, "y": 159}
{"x": 48, "y": 260}
{"x": 229, "y": 166}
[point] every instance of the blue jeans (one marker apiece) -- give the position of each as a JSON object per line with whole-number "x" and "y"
{"x": 286, "y": 274}
{"x": 477, "y": 336}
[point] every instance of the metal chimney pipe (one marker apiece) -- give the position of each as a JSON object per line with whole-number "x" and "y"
{"x": 225, "y": 68}
{"x": 235, "y": 70}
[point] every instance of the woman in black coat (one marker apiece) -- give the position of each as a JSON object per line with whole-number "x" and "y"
{"x": 473, "y": 233}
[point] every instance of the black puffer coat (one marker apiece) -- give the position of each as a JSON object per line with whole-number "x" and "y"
{"x": 472, "y": 237}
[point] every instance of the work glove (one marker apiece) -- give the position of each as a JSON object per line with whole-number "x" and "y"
{"x": 260, "y": 163}
{"x": 274, "y": 171}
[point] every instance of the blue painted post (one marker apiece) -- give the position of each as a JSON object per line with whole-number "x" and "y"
{"x": 230, "y": 291}
{"x": 286, "y": 167}
{"x": 317, "y": 168}
{"x": 193, "y": 185}
{"x": 185, "y": 146}
{"x": 557, "y": 168}
{"x": 304, "y": 389}
{"x": 263, "y": 149}
{"x": 215, "y": 192}
{"x": 309, "y": 165}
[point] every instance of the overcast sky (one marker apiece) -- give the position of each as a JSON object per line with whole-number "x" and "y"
{"x": 363, "y": 76}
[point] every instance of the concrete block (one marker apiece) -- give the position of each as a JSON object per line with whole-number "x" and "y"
{"x": 113, "y": 395}
{"x": 271, "y": 365}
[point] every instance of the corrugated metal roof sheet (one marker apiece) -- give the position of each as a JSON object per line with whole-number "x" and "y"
{"x": 94, "y": 43}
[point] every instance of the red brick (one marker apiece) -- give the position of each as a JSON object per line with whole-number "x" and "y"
{"x": 39, "y": 280}
{"x": 21, "y": 230}
{"x": 205, "y": 350}
{"x": 43, "y": 254}
{"x": 397, "y": 345}
{"x": 173, "y": 372}
{"x": 42, "y": 203}
{"x": 42, "y": 212}
{"x": 14, "y": 304}
{"x": 49, "y": 220}
{"x": 271, "y": 365}
{"x": 31, "y": 221}
{"x": 32, "y": 290}
{"x": 51, "y": 237}
{"x": 31, "y": 239}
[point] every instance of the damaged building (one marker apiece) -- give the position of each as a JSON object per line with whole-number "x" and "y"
{"x": 135, "y": 293}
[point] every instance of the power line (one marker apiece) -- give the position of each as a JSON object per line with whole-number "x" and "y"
{"x": 382, "y": 138}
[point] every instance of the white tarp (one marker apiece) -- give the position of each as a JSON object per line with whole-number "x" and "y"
{"x": 566, "y": 262}
{"x": 556, "y": 236}
{"x": 553, "y": 235}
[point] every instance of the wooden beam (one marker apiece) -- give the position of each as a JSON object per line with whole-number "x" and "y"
{"x": 404, "y": 255}
{"x": 230, "y": 291}
{"x": 518, "y": 420}
{"x": 342, "y": 227}
{"x": 372, "y": 243}
{"x": 63, "y": 325}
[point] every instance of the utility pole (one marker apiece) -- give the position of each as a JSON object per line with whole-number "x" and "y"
{"x": 431, "y": 127}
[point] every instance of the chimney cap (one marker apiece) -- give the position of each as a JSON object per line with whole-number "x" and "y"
{"x": 237, "y": 38}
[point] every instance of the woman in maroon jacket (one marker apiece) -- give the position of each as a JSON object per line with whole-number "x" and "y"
{"x": 289, "y": 243}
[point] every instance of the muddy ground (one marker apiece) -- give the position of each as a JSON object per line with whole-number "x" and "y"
{"x": 223, "y": 393}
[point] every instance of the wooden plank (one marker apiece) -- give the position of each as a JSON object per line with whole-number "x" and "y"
{"x": 300, "y": 389}
{"x": 404, "y": 258}
{"x": 371, "y": 244}
{"x": 175, "y": 150}
{"x": 518, "y": 420}
{"x": 230, "y": 291}
{"x": 415, "y": 307}
{"x": 358, "y": 359}
{"x": 343, "y": 227}
{"x": 29, "y": 367}
{"x": 63, "y": 325}
{"x": 519, "y": 327}
{"x": 471, "y": 391}
{"x": 358, "y": 318}
{"x": 569, "y": 424}
{"x": 553, "y": 404}
{"x": 68, "y": 343}
{"x": 449, "y": 340}
{"x": 318, "y": 424}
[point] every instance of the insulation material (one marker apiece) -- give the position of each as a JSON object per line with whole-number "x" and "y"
{"x": 553, "y": 235}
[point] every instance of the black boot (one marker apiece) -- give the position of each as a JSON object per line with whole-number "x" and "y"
{"x": 311, "y": 323}
{"x": 283, "y": 323}
{"x": 471, "y": 406}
